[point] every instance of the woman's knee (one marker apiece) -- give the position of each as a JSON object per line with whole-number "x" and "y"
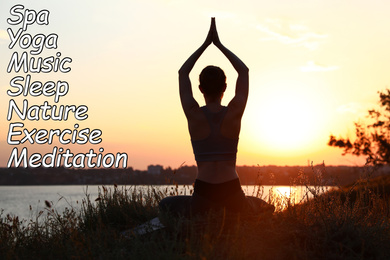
{"x": 258, "y": 205}
{"x": 175, "y": 204}
{"x": 166, "y": 203}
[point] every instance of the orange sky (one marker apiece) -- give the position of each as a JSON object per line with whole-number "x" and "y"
{"x": 315, "y": 68}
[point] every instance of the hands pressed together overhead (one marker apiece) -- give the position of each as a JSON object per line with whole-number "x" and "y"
{"x": 212, "y": 36}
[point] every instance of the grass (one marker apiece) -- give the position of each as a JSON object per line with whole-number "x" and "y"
{"x": 349, "y": 223}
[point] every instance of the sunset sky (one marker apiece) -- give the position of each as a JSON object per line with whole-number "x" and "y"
{"x": 315, "y": 68}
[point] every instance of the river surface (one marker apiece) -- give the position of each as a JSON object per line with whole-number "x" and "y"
{"x": 27, "y": 201}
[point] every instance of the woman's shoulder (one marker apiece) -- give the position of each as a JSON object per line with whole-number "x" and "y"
{"x": 235, "y": 108}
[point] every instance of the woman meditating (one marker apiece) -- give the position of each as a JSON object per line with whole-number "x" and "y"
{"x": 214, "y": 131}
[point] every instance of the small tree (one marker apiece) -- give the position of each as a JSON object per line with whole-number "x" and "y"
{"x": 372, "y": 140}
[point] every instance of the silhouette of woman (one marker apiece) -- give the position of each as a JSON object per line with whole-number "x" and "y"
{"x": 214, "y": 131}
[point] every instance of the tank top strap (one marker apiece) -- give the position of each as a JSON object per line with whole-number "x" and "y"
{"x": 214, "y": 119}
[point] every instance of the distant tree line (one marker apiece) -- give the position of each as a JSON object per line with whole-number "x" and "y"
{"x": 249, "y": 175}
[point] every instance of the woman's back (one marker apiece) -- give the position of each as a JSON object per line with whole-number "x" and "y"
{"x": 215, "y": 148}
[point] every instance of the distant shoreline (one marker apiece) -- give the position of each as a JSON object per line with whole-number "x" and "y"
{"x": 185, "y": 175}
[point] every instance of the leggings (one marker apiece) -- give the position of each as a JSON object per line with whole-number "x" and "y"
{"x": 209, "y": 196}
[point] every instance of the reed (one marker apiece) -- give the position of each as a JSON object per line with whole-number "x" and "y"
{"x": 350, "y": 222}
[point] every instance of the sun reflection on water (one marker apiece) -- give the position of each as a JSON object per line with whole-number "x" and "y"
{"x": 284, "y": 191}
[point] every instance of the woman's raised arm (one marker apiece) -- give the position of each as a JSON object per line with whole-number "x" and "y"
{"x": 187, "y": 100}
{"x": 242, "y": 84}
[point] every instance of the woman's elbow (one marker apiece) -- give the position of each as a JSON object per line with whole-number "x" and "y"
{"x": 183, "y": 71}
{"x": 244, "y": 71}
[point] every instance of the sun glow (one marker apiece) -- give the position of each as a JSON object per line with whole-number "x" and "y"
{"x": 285, "y": 118}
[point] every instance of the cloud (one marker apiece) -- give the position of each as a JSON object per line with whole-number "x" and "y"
{"x": 296, "y": 34}
{"x": 352, "y": 108}
{"x": 311, "y": 66}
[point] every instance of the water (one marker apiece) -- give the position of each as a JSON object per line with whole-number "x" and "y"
{"x": 27, "y": 201}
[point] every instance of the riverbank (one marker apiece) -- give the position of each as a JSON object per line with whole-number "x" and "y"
{"x": 335, "y": 225}
{"x": 249, "y": 175}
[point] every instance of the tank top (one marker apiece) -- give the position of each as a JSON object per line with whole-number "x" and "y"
{"x": 215, "y": 147}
